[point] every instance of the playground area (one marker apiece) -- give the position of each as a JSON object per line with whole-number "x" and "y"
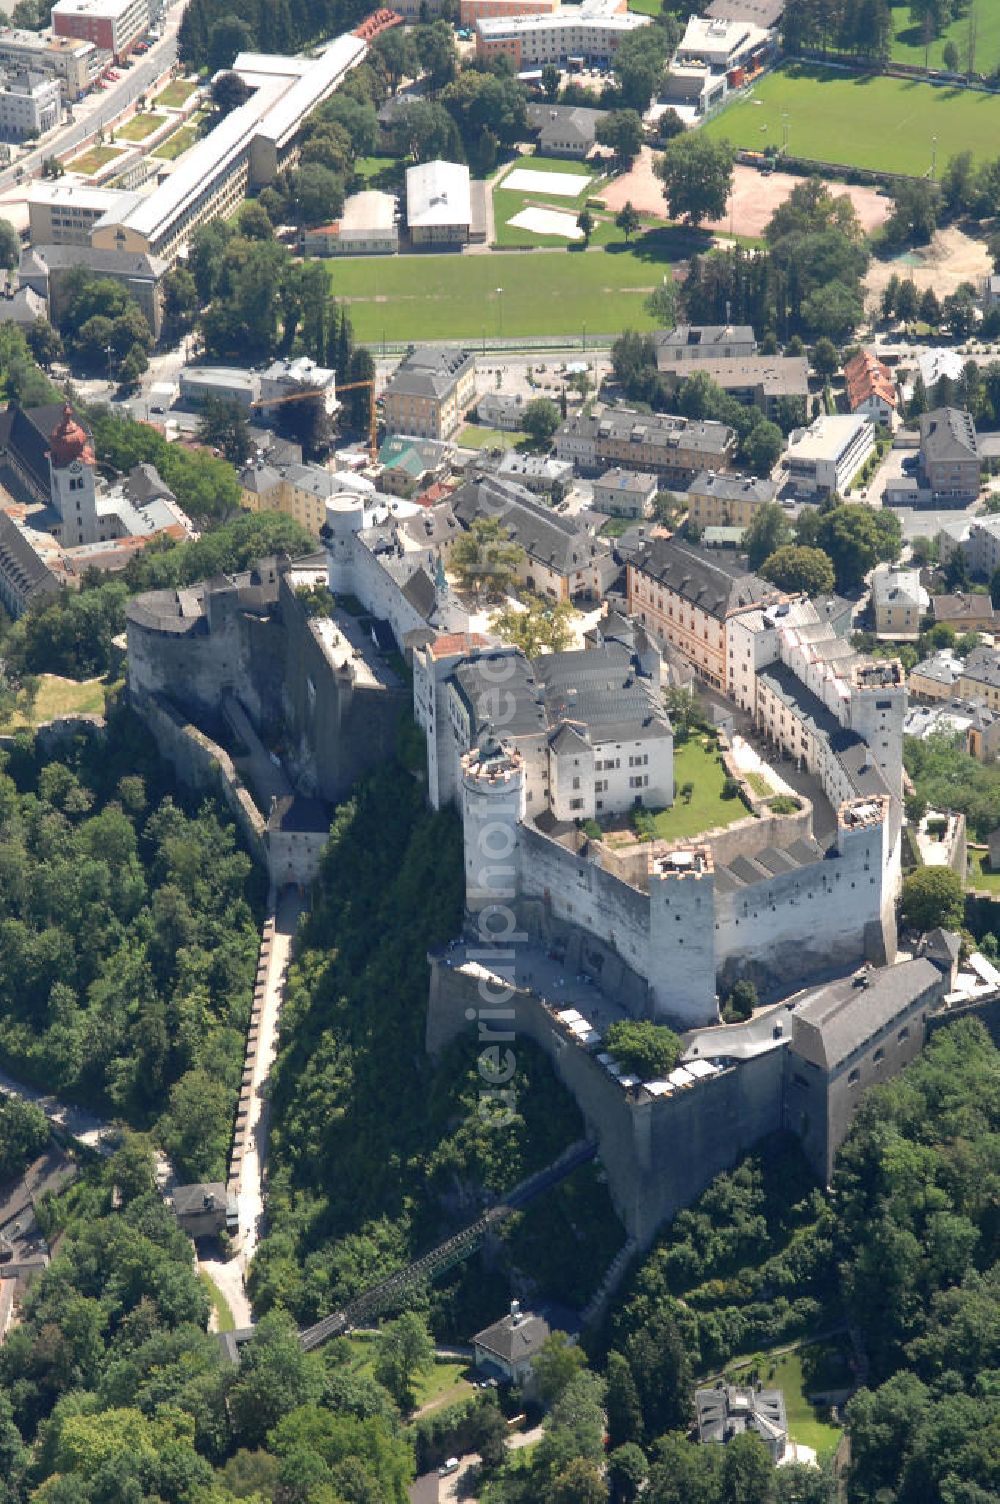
{"x": 754, "y": 199}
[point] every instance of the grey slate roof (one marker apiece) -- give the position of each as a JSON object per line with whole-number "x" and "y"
{"x": 948, "y": 433}
{"x": 766, "y": 13}
{"x": 513, "y": 1343}
{"x": 835, "y": 1020}
{"x": 983, "y": 666}
{"x": 135, "y": 264}
{"x": 728, "y": 1411}
{"x": 708, "y": 337}
{"x": 773, "y": 861}
{"x": 477, "y": 683}
{"x": 732, "y": 487}
{"x": 851, "y": 750}
{"x": 549, "y": 537}
{"x": 561, "y": 123}
{"x": 598, "y": 688}
{"x": 29, "y": 575}
{"x": 429, "y": 371}
{"x": 191, "y": 1200}
{"x": 25, "y": 432}
{"x": 717, "y": 587}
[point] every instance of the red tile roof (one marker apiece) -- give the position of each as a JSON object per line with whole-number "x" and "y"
{"x": 866, "y": 377}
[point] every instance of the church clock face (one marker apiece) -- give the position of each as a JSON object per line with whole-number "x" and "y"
{"x": 75, "y": 468}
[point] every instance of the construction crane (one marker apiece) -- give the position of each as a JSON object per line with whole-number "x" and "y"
{"x": 350, "y": 386}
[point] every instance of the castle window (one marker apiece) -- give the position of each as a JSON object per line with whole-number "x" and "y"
{"x": 854, "y": 1077}
{"x": 879, "y": 1055}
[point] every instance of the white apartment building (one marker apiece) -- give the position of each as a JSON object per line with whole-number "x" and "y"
{"x": 826, "y": 456}
{"x": 30, "y": 105}
{"x": 591, "y": 32}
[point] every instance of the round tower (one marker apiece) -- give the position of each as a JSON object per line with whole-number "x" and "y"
{"x": 345, "y": 517}
{"x": 492, "y": 810}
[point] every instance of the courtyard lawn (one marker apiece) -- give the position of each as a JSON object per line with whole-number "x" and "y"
{"x": 908, "y": 40}
{"x": 457, "y": 297}
{"x": 181, "y": 139}
{"x": 981, "y": 874}
{"x": 805, "y": 1420}
{"x": 883, "y": 124}
{"x": 475, "y": 436}
{"x": 443, "y": 1384}
{"x": 387, "y": 173}
{"x": 141, "y": 126}
{"x": 56, "y": 697}
{"x": 176, "y": 94}
{"x": 697, "y": 761}
{"x": 93, "y": 160}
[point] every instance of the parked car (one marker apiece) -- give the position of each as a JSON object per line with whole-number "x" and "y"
{"x": 449, "y": 1467}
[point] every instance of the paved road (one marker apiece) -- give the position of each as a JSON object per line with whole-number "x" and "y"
{"x": 253, "y": 1175}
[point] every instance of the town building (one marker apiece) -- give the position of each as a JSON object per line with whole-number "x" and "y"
{"x": 870, "y": 388}
{"x": 728, "y": 1410}
{"x": 825, "y": 457}
{"x": 288, "y": 379}
{"x": 591, "y": 32}
{"x": 848, "y": 1036}
{"x": 963, "y": 612}
{"x": 982, "y": 546}
{"x": 204, "y": 1210}
{"x": 625, "y": 493}
{"x": 410, "y": 464}
{"x": 675, "y": 449}
{"x": 246, "y": 149}
{"x": 727, "y": 500}
{"x": 686, "y": 597}
{"x": 112, "y": 25}
{"x": 48, "y": 269}
{"x": 236, "y": 384}
{"x": 367, "y": 227}
{"x": 937, "y": 365}
{"x": 949, "y": 455}
{"x": 23, "y": 307}
{"x": 561, "y": 560}
{"x": 507, "y": 1349}
{"x": 503, "y": 410}
{"x": 430, "y": 392}
{"x": 899, "y": 602}
{"x": 298, "y": 490}
{"x": 564, "y": 130}
{"x": 935, "y": 678}
{"x": 471, "y": 11}
{"x": 980, "y": 677}
{"x": 764, "y": 13}
{"x": 537, "y": 472}
{"x": 30, "y": 105}
{"x": 764, "y": 381}
{"x": 438, "y": 203}
{"x": 72, "y": 61}
{"x": 64, "y": 213}
{"x": 25, "y": 577}
{"x": 690, "y": 343}
{"x": 725, "y": 46}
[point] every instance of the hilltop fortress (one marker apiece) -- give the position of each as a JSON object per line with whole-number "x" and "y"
{"x": 573, "y": 921}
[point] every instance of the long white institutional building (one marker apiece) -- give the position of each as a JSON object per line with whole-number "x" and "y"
{"x": 246, "y": 150}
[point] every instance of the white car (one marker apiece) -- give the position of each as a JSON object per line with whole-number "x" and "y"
{"x": 448, "y": 1467}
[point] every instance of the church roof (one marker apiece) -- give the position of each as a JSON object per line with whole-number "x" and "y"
{"x": 70, "y": 441}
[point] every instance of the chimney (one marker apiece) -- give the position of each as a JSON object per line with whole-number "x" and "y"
{"x": 515, "y": 1313}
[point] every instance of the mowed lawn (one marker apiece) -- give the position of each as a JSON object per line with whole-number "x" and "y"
{"x": 93, "y": 160}
{"x": 459, "y": 297}
{"x": 908, "y": 40}
{"x": 177, "y": 93}
{"x": 697, "y": 761}
{"x": 981, "y": 874}
{"x": 886, "y": 124}
{"x": 141, "y": 126}
{"x": 806, "y": 1422}
{"x": 57, "y": 696}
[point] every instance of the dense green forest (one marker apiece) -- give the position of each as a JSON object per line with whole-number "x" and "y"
{"x": 72, "y": 633}
{"x": 376, "y": 1150}
{"x": 128, "y": 940}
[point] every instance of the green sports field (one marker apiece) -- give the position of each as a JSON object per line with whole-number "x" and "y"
{"x": 885, "y": 124}
{"x": 547, "y": 292}
{"x": 908, "y": 41}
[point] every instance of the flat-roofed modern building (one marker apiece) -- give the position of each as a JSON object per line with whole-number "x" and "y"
{"x": 63, "y": 213}
{"x": 199, "y": 384}
{"x": 30, "y": 105}
{"x": 248, "y": 148}
{"x": 438, "y": 203}
{"x": 826, "y": 456}
{"x": 112, "y": 25}
{"x": 592, "y": 32}
{"x": 70, "y": 59}
{"x": 367, "y": 227}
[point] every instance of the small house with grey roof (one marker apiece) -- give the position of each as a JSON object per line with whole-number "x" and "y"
{"x": 729, "y": 1410}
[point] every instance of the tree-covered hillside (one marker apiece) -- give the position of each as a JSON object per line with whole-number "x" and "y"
{"x": 127, "y": 940}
